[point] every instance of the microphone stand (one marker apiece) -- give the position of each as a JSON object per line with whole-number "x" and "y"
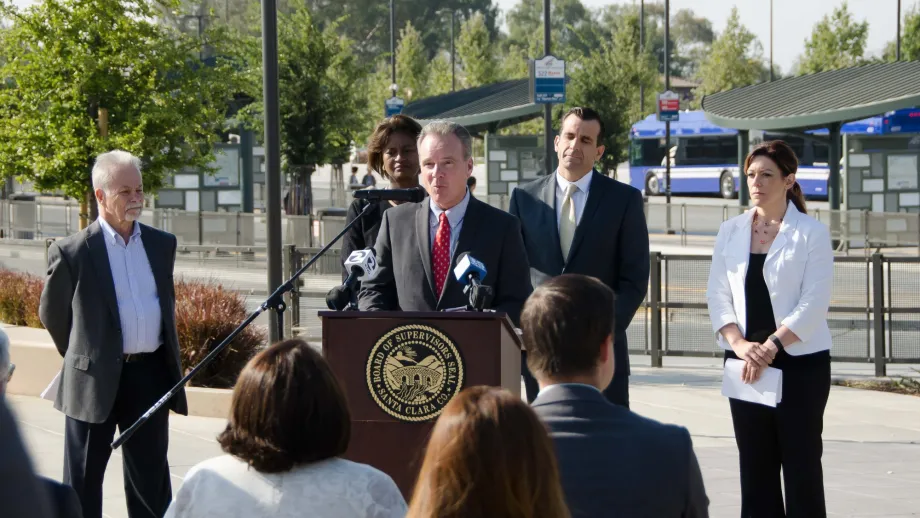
{"x": 275, "y": 301}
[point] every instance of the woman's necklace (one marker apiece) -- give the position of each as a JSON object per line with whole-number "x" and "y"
{"x": 764, "y": 230}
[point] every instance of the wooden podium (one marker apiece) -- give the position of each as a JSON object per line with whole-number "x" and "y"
{"x": 399, "y": 369}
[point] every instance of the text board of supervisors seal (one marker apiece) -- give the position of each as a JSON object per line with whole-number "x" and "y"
{"x": 413, "y": 371}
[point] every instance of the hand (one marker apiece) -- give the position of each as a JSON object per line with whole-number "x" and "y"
{"x": 753, "y": 352}
{"x": 750, "y": 372}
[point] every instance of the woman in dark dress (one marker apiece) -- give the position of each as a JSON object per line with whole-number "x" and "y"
{"x": 392, "y": 153}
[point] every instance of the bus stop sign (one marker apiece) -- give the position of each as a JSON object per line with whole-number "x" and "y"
{"x": 393, "y": 106}
{"x": 668, "y": 106}
{"x": 549, "y": 80}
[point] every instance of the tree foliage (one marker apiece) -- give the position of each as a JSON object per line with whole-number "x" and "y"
{"x": 910, "y": 37}
{"x": 608, "y": 80}
{"x": 733, "y": 61}
{"x": 837, "y": 41}
{"x": 412, "y": 64}
{"x": 476, "y": 54}
{"x": 67, "y": 60}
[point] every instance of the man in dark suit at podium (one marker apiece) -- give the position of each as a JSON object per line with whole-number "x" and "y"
{"x": 418, "y": 243}
{"x": 612, "y": 462}
{"x": 580, "y": 221}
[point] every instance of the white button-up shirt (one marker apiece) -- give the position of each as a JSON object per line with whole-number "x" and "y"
{"x": 135, "y": 290}
{"x": 455, "y": 216}
{"x": 579, "y": 198}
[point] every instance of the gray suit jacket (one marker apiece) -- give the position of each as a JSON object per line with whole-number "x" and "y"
{"x": 610, "y": 243}
{"x": 405, "y": 280}
{"x": 614, "y": 463}
{"x": 79, "y": 309}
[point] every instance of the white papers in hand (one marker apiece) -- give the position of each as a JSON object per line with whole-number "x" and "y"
{"x": 768, "y": 390}
{"x": 51, "y": 390}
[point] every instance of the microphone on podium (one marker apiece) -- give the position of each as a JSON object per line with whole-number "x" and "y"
{"x": 361, "y": 266}
{"x": 413, "y": 195}
{"x": 470, "y": 272}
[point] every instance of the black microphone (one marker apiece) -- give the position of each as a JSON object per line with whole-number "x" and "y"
{"x": 361, "y": 265}
{"x": 469, "y": 272}
{"x": 413, "y": 195}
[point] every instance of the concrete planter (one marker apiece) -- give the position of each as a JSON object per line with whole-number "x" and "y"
{"x": 38, "y": 361}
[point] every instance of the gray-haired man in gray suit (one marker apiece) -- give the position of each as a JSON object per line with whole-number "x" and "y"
{"x": 612, "y": 462}
{"x": 109, "y": 305}
{"x": 418, "y": 243}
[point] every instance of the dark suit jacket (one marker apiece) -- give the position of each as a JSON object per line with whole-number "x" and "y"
{"x": 610, "y": 243}
{"x": 405, "y": 280}
{"x": 614, "y": 463}
{"x": 64, "y": 499}
{"x": 364, "y": 233}
{"x": 79, "y": 309}
{"x": 22, "y": 495}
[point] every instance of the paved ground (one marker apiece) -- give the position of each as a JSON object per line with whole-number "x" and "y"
{"x": 871, "y": 460}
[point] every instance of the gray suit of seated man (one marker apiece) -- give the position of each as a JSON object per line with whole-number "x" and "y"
{"x": 612, "y": 462}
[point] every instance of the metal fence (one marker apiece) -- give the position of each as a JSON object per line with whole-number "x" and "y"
{"x": 42, "y": 219}
{"x": 674, "y": 319}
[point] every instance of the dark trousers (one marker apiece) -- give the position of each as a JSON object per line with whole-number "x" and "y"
{"x": 786, "y": 438}
{"x": 617, "y": 392}
{"x": 146, "y": 469}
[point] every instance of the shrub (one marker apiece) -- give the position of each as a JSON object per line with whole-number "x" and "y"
{"x": 19, "y": 297}
{"x": 206, "y": 313}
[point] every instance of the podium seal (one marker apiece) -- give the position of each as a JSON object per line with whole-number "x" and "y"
{"x": 413, "y": 371}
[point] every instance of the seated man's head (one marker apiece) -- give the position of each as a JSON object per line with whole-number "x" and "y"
{"x": 568, "y": 325}
{"x": 287, "y": 410}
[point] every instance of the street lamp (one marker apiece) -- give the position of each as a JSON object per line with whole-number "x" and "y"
{"x": 453, "y": 67}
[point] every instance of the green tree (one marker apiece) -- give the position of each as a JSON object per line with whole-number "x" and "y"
{"x": 87, "y": 76}
{"x": 573, "y": 32}
{"x": 439, "y": 72}
{"x": 411, "y": 64}
{"x": 837, "y": 41}
{"x": 910, "y": 38}
{"x": 608, "y": 80}
{"x": 321, "y": 109}
{"x": 735, "y": 60}
{"x": 476, "y": 54}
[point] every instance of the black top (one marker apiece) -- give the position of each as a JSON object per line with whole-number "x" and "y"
{"x": 364, "y": 233}
{"x": 760, "y": 321}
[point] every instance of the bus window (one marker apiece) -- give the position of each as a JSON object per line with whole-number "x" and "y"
{"x": 646, "y": 152}
{"x": 709, "y": 150}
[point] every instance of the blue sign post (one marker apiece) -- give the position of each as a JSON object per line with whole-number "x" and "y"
{"x": 549, "y": 80}
{"x": 393, "y": 106}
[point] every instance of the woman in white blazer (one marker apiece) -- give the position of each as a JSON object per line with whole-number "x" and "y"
{"x": 768, "y": 294}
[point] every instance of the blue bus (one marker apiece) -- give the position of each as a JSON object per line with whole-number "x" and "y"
{"x": 704, "y": 157}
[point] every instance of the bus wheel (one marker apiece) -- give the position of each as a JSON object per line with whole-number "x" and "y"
{"x": 652, "y": 186}
{"x": 727, "y": 186}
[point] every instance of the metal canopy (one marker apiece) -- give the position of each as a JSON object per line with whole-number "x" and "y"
{"x": 479, "y": 109}
{"x": 817, "y": 100}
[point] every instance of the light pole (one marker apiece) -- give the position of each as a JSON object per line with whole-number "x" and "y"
{"x": 272, "y": 155}
{"x": 642, "y": 53}
{"x": 771, "y": 40}
{"x": 392, "y": 48}
{"x": 547, "y": 108}
{"x": 667, "y": 123}
{"x": 898, "y": 36}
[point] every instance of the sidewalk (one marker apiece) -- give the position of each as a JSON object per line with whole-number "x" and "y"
{"x": 871, "y": 448}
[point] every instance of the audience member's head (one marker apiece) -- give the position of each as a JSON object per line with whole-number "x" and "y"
{"x": 4, "y": 361}
{"x": 489, "y": 455}
{"x": 287, "y": 410}
{"x": 354, "y": 169}
{"x": 568, "y": 325}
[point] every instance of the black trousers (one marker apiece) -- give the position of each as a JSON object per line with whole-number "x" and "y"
{"x": 617, "y": 392}
{"x": 786, "y": 438}
{"x": 146, "y": 470}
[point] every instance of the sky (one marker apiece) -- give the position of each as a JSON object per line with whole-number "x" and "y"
{"x": 793, "y": 20}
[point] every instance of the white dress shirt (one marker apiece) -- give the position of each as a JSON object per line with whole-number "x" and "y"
{"x": 549, "y": 388}
{"x": 578, "y": 198}
{"x": 135, "y": 290}
{"x": 455, "y": 217}
{"x": 798, "y": 272}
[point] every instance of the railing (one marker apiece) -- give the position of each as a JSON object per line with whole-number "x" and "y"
{"x": 674, "y": 319}
{"x": 42, "y": 219}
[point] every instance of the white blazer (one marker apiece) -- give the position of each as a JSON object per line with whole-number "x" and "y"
{"x": 798, "y": 271}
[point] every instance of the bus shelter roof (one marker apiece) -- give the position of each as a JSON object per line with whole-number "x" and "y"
{"x": 479, "y": 109}
{"x": 817, "y": 100}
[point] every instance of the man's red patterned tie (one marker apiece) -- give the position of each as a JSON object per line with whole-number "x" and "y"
{"x": 440, "y": 254}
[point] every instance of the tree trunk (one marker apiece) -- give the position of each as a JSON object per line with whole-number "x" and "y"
{"x": 299, "y": 199}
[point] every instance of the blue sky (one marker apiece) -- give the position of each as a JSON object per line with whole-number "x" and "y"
{"x": 792, "y": 20}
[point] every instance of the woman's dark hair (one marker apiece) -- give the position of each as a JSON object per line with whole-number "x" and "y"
{"x": 784, "y": 157}
{"x": 377, "y": 143}
{"x": 287, "y": 409}
{"x": 489, "y": 455}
